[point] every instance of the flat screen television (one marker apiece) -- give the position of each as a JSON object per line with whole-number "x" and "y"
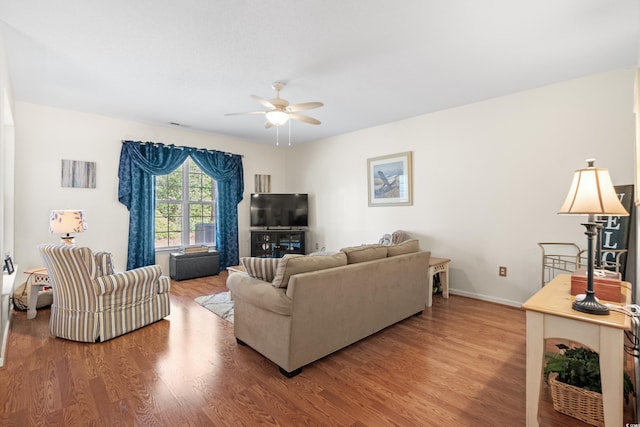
{"x": 279, "y": 210}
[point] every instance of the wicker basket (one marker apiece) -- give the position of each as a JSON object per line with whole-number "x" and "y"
{"x": 576, "y": 402}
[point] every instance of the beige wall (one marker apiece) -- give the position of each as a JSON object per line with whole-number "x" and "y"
{"x": 47, "y": 135}
{"x": 489, "y": 179}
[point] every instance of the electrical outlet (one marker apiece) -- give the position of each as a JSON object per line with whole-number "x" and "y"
{"x": 502, "y": 271}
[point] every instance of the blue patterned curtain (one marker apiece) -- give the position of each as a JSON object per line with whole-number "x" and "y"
{"x": 139, "y": 163}
{"x": 227, "y": 170}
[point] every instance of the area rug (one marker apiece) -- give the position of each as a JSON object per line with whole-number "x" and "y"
{"x": 219, "y": 304}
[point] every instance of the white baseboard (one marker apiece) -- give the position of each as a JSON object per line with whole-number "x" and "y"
{"x": 5, "y": 337}
{"x": 486, "y": 298}
{"x": 6, "y": 310}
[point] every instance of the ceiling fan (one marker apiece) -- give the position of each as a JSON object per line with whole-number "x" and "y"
{"x": 280, "y": 111}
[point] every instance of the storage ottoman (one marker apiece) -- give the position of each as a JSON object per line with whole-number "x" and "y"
{"x": 184, "y": 266}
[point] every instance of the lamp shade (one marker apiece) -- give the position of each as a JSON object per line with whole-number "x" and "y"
{"x": 67, "y": 221}
{"x": 277, "y": 117}
{"x": 592, "y": 193}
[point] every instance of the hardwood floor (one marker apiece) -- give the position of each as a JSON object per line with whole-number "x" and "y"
{"x": 461, "y": 363}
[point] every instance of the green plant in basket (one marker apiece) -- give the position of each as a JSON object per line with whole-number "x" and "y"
{"x": 580, "y": 367}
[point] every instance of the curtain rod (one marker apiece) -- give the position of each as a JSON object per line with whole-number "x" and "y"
{"x": 182, "y": 147}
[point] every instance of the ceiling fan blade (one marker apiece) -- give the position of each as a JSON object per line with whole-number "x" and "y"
{"x": 303, "y": 106}
{"x": 248, "y": 112}
{"x": 303, "y": 118}
{"x": 263, "y": 102}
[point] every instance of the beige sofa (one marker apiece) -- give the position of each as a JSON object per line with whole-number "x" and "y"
{"x": 301, "y": 308}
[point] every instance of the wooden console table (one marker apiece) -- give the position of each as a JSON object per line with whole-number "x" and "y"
{"x": 549, "y": 315}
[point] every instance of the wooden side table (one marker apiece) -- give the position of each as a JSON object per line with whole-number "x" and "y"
{"x": 549, "y": 315}
{"x": 38, "y": 279}
{"x": 439, "y": 265}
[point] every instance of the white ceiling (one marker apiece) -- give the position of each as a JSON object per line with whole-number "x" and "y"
{"x": 370, "y": 61}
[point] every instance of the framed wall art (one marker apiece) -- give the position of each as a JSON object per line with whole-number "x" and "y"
{"x": 389, "y": 179}
{"x": 78, "y": 174}
{"x": 262, "y": 183}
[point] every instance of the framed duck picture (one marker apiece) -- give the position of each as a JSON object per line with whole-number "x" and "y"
{"x": 389, "y": 180}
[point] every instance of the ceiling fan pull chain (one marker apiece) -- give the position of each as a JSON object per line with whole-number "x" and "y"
{"x": 277, "y": 136}
{"x": 289, "y": 133}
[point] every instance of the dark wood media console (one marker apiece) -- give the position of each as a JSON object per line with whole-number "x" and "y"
{"x": 277, "y": 243}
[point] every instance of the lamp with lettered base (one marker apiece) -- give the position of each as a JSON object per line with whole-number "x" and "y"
{"x": 592, "y": 194}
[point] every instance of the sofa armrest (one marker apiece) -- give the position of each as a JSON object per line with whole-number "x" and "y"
{"x": 120, "y": 284}
{"x": 164, "y": 284}
{"x": 260, "y": 293}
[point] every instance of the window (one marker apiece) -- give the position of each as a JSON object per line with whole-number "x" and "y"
{"x": 185, "y": 208}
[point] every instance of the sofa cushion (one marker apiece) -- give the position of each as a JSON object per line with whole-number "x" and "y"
{"x": 293, "y": 264}
{"x": 260, "y": 268}
{"x": 406, "y": 247}
{"x": 322, "y": 253}
{"x": 364, "y": 253}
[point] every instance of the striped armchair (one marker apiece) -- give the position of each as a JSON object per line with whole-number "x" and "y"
{"x": 92, "y": 303}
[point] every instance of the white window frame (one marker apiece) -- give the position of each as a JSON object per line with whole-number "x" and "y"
{"x": 186, "y": 206}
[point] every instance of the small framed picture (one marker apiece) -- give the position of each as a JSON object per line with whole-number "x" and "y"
{"x": 8, "y": 265}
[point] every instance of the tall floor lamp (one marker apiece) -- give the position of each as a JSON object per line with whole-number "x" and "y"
{"x": 592, "y": 194}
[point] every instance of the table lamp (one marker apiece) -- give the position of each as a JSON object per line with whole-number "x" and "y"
{"x": 66, "y": 222}
{"x": 592, "y": 194}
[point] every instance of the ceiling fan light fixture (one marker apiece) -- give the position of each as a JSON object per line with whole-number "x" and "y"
{"x": 277, "y": 118}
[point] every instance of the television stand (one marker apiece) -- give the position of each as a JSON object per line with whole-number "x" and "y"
{"x": 277, "y": 243}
